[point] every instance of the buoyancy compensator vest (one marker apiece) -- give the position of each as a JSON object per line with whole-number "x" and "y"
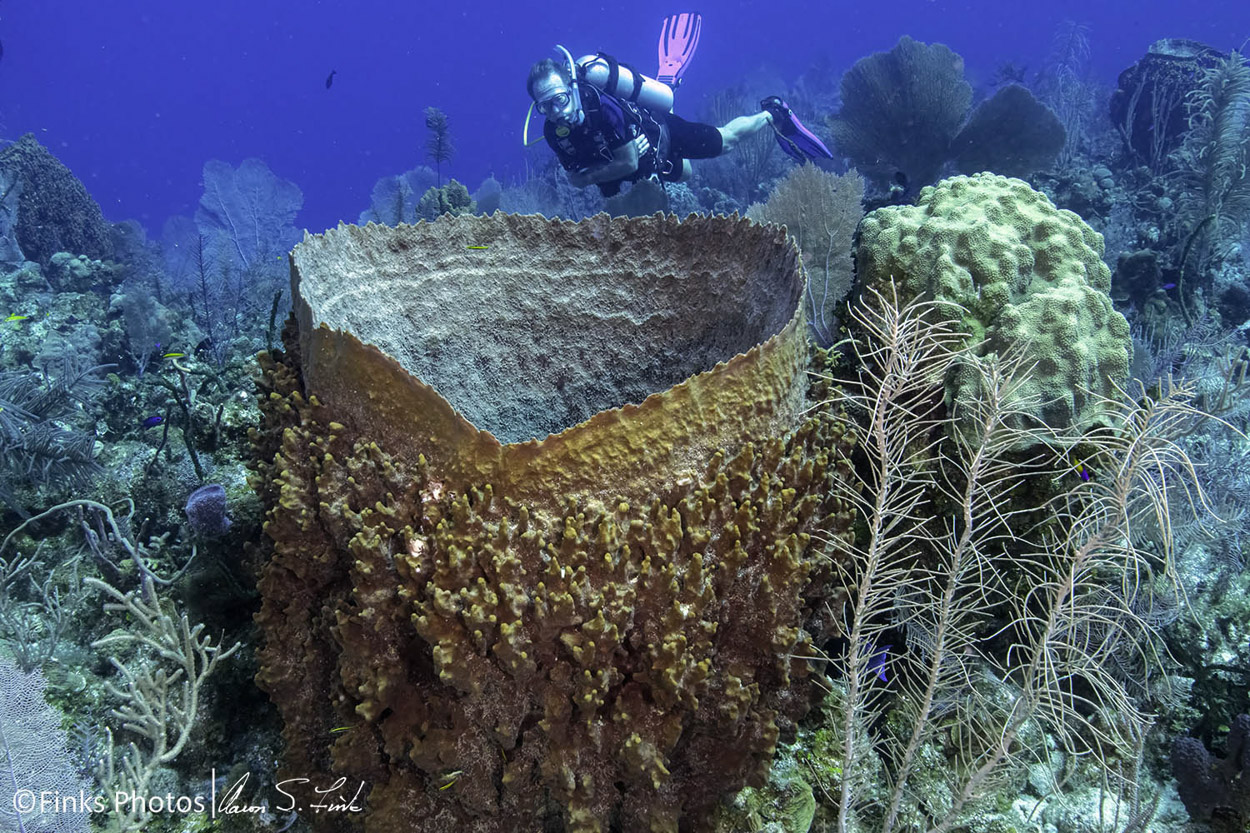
{"x": 645, "y": 101}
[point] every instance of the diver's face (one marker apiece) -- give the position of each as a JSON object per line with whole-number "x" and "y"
{"x": 554, "y": 100}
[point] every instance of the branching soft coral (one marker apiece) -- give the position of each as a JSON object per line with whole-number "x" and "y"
{"x": 1215, "y": 203}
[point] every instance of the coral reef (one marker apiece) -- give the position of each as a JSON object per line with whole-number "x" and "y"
{"x": 439, "y": 148}
{"x": 394, "y": 198}
{"x": 1215, "y": 788}
{"x": 640, "y": 199}
{"x": 452, "y": 198}
{"x": 10, "y": 189}
{"x": 1026, "y": 272}
{"x": 605, "y": 629}
{"x": 903, "y": 118}
{"x": 1213, "y": 205}
{"x": 78, "y": 273}
{"x": 55, "y": 212}
{"x": 208, "y": 511}
{"x": 487, "y": 195}
{"x": 247, "y": 214}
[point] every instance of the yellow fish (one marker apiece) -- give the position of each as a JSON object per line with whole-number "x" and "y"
{"x": 173, "y": 355}
{"x": 16, "y": 317}
{"x": 477, "y": 247}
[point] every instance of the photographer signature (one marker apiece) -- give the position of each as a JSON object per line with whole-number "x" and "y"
{"x": 333, "y": 798}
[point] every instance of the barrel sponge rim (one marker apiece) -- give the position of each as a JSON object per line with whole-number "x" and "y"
{"x": 613, "y": 454}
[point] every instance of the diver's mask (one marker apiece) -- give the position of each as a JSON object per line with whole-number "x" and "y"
{"x": 558, "y": 107}
{"x": 554, "y": 104}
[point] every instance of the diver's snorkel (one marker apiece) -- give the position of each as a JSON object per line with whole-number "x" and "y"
{"x": 578, "y": 114}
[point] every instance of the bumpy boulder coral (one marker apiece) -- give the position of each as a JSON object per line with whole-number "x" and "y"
{"x": 1027, "y": 274}
{"x": 547, "y": 512}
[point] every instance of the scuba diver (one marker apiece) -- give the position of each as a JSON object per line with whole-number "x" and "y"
{"x": 609, "y": 124}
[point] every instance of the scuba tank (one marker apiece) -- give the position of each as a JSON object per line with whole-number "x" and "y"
{"x": 624, "y": 82}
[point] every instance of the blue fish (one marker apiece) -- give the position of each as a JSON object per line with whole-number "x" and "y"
{"x": 153, "y": 421}
{"x": 1168, "y": 286}
{"x": 877, "y": 662}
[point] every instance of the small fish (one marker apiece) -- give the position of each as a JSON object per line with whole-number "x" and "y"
{"x": 153, "y": 421}
{"x": 173, "y": 355}
{"x": 877, "y": 662}
{"x": 15, "y": 317}
{"x": 477, "y": 247}
{"x": 1083, "y": 470}
{"x": 1168, "y": 286}
{"x": 340, "y": 729}
{"x": 330, "y": 78}
{"x": 454, "y": 776}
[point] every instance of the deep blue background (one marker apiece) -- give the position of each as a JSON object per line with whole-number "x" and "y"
{"x": 134, "y": 95}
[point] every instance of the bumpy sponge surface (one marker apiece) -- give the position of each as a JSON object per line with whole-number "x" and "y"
{"x": 1027, "y": 274}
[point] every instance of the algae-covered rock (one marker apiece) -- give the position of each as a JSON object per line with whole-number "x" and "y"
{"x": 79, "y": 273}
{"x": 787, "y": 805}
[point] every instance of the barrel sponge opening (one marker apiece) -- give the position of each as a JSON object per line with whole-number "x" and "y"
{"x": 528, "y": 326}
{"x": 554, "y": 357}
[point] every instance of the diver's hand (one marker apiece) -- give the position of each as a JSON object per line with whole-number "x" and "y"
{"x": 642, "y": 144}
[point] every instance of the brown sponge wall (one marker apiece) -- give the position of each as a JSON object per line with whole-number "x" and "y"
{"x": 602, "y": 630}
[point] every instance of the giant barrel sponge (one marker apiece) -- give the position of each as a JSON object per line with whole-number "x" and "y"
{"x": 549, "y": 518}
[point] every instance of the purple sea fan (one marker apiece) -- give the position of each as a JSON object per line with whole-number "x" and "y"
{"x": 207, "y": 514}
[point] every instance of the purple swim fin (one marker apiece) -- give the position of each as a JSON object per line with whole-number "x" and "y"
{"x": 679, "y": 37}
{"x": 792, "y": 136}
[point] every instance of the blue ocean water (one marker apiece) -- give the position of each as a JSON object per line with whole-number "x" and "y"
{"x": 135, "y": 96}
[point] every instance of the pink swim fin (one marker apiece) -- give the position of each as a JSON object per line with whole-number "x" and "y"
{"x": 679, "y": 38}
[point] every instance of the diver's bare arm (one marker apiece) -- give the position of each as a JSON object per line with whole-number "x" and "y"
{"x": 624, "y": 163}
